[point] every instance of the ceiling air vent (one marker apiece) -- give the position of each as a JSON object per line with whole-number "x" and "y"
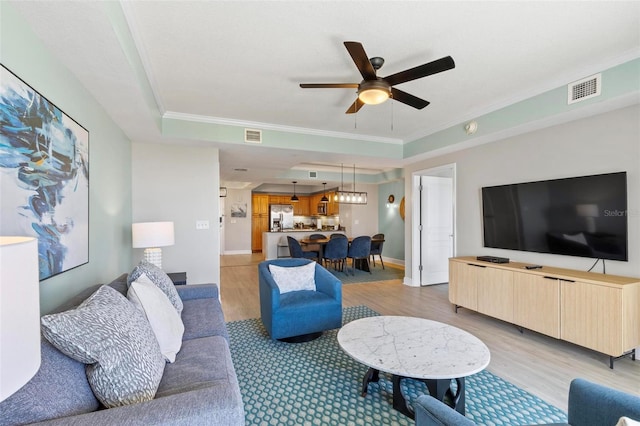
{"x": 253, "y": 136}
{"x": 584, "y": 89}
{"x": 313, "y": 175}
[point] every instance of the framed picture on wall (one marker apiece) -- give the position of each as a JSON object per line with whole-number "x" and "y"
{"x": 239, "y": 210}
{"x": 44, "y": 176}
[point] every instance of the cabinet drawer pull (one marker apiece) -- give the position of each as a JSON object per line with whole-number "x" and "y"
{"x": 477, "y": 266}
{"x": 546, "y": 277}
{"x": 567, "y": 281}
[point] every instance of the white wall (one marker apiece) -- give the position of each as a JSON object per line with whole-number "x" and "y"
{"x": 604, "y": 143}
{"x": 361, "y": 219}
{"x": 237, "y": 230}
{"x": 180, "y": 183}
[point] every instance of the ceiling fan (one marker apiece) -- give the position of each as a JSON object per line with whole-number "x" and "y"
{"x": 374, "y": 90}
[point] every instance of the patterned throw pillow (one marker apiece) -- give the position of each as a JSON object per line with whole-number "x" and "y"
{"x": 160, "y": 279}
{"x": 294, "y": 278}
{"x": 109, "y": 334}
{"x": 163, "y": 318}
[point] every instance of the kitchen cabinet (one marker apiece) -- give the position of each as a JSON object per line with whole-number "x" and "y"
{"x": 301, "y": 208}
{"x": 260, "y": 204}
{"x": 598, "y": 311}
{"x": 259, "y": 219}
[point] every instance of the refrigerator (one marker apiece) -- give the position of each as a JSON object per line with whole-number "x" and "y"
{"x": 280, "y": 217}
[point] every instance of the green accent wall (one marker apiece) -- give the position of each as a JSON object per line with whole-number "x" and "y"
{"x": 109, "y": 160}
{"x": 390, "y": 222}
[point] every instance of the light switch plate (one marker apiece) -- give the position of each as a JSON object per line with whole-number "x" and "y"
{"x": 202, "y": 224}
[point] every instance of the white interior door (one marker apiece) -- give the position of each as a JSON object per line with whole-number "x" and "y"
{"x": 437, "y": 228}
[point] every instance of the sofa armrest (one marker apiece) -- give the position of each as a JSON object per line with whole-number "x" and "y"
{"x": 197, "y": 291}
{"x": 431, "y": 412}
{"x": 327, "y": 283}
{"x": 591, "y": 403}
{"x": 197, "y": 407}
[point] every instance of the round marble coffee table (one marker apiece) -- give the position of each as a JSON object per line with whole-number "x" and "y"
{"x": 415, "y": 348}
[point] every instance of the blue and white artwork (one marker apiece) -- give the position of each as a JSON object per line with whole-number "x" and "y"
{"x": 44, "y": 176}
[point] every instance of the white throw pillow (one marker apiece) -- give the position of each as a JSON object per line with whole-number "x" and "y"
{"x": 165, "y": 321}
{"x": 294, "y": 278}
{"x": 626, "y": 421}
{"x": 160, "y": 279}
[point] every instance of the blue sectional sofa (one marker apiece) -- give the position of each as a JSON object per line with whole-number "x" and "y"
{"x": 199, "y": 388}
{"x": 590, "y": 404}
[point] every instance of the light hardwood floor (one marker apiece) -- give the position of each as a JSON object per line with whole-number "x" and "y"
{"x": 539, "y": 364}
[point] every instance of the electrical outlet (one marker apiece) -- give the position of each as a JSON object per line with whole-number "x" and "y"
{"x": 202, "y": 224}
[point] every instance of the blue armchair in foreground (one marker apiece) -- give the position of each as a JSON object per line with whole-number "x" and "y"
{"x": 302, "y": 315}
{"x": 590, "y": 404}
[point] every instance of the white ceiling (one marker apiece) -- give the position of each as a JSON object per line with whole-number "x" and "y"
{"x": 242, "y": 61}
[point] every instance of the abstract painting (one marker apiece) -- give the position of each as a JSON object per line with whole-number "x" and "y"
{"x": 44, "y": 176}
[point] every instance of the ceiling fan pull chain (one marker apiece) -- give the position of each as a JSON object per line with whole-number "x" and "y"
{"x": 392, "y": 116}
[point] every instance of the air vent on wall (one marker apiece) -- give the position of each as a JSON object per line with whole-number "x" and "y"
{"x": 584, "y": 89}
{"x": 253, "y": 136}
{"x": 313, "y": 175}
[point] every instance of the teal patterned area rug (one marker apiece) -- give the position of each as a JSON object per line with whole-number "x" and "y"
{"x": 316, "y": 383}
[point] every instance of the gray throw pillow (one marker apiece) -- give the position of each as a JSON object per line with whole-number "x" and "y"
{"x": 114, "y": 338}
{"x": 160, "y": 279}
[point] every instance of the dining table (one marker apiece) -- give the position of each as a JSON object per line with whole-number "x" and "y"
{"x": 318, "y": 244}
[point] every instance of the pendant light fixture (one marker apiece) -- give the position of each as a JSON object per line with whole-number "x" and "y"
{"x": 350, "y": 197}
{"x": 294, "y": 198}
{"x": 324, "y": 198}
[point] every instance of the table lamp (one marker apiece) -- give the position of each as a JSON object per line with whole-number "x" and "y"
{"x": 19, "y": 313}
{"x": 151, "y": 236}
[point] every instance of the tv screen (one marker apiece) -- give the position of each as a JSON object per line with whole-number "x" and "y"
{"x": 581, "y": 216}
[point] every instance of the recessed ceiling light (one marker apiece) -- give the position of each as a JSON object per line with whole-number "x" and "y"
{"x": 240, "y": 170}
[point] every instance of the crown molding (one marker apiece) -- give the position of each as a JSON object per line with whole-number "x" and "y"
{"x": 275, "y": 127}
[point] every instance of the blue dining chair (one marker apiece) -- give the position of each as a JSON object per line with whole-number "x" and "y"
{"x": 335, "y": 253}
{"x": 295, "y": 249}
{"x": 359, "y": 250}
{"x": 376, "y": 248}
{"x": 337, "y": 236}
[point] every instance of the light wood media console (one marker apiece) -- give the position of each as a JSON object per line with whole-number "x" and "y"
{"x": 597, "y": 311}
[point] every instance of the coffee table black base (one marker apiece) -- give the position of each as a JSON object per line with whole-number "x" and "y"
{"x": 302, "y": 338}
{"x": 438, "y": 388}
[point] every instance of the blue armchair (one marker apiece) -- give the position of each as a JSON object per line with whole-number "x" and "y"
{"x": 299, "y": 315}
{"x": 590, "y": 404}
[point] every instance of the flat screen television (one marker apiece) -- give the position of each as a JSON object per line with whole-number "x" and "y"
{"x": 580, "y": 216}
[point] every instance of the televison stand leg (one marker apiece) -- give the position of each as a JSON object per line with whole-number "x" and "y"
{"x": 613, "y": 358}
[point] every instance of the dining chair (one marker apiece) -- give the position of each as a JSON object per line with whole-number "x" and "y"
{"x": 317, "y": 237}
{"x": 359, "y": 251}
{"x": 335, "y": 253}
{"x": 376, "y": 248}
{"x": 337, "y": 236}
{"x": 295, "y": 249}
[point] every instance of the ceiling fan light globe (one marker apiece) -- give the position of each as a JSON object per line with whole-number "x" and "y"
{"x": 374, "y": 92}
{"x": 373, "y": 96}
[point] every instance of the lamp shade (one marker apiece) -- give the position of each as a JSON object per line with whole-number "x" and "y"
{"x": 152, "y": 234}
{"x": 19, "y": 313}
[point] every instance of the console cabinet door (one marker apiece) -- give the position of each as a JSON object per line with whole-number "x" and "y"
{"x": 592, "y": 316}
{"x": 537, "y": 303}
{"x": 495, "y": 293}
{"x": 463, "y": 284}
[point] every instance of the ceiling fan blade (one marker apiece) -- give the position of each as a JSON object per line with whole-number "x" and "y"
{"x": 408, "y": 99}
{"x": 361, "y": 60}
{"x": 355, "y": 107}
{"x": 329, "y": 85}
{"x": 442, "y": 64}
